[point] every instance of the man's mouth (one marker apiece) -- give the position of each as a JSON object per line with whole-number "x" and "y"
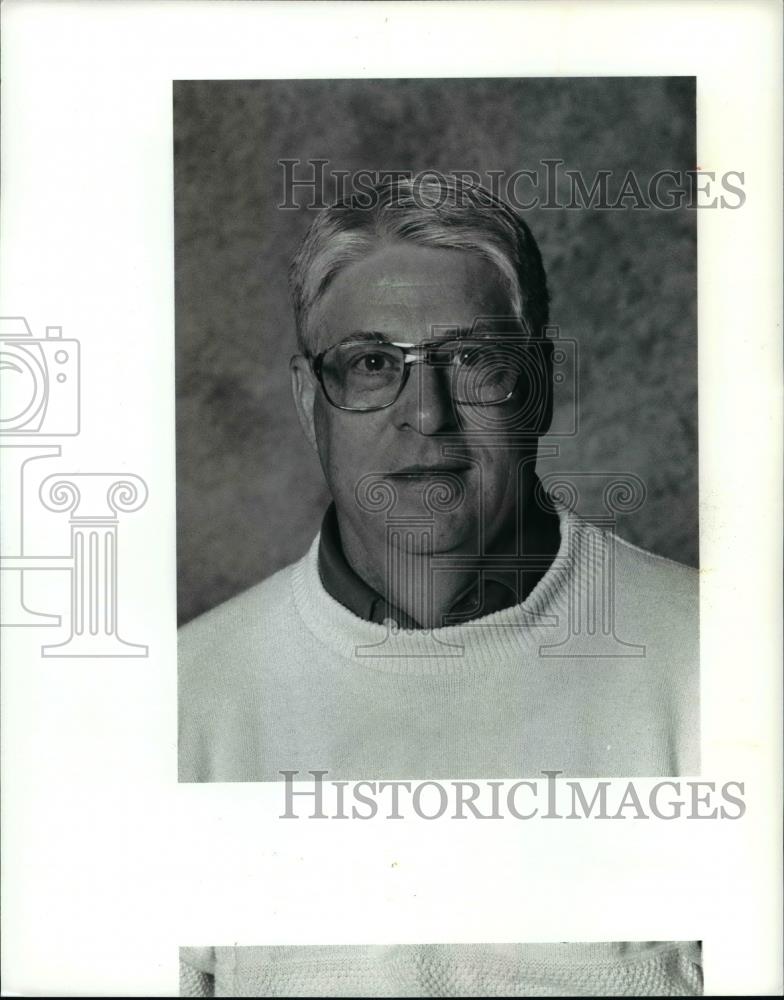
{"x": 435, "y": 469}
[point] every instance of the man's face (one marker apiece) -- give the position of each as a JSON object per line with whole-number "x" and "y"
{"x": 408, "y": 293}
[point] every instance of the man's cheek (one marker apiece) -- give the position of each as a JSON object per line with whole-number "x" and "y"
{"x": 341, "y": 454}
{"x": 322, "y": 429}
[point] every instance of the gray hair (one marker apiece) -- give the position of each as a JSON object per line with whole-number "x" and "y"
{"x": 432, "y": 211}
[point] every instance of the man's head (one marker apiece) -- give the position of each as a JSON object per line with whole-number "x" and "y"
{"x": 436, "y": 262}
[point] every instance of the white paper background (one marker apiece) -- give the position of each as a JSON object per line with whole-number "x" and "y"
{"x": 109, "y": 866}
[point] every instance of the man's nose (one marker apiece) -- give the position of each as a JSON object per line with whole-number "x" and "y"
{"x": 426, "y": 403}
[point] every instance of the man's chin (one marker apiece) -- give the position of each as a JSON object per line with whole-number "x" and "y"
{"x": 441, "y": 533}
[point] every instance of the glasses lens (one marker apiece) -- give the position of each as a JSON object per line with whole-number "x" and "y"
{"x": 362, "y": 376}
{"x": 485, "y": 373}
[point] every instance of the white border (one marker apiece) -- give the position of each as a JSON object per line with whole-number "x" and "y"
{"x": 109, "y": 867}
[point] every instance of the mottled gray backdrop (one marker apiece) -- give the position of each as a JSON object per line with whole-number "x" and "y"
{"x": 623, "y": 284}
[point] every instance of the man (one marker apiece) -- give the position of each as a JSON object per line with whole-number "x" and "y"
{"x": 450, "y": 619}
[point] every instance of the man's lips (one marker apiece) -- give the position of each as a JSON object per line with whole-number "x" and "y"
{"x": 436, "y": 469}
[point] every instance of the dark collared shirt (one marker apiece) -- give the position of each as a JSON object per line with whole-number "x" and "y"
{"x": 349, "y": 589}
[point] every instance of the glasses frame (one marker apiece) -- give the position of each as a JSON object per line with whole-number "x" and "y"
{"x": 417, "y": 355}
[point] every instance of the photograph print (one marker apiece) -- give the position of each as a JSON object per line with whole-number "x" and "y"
{"x": 436, "y": 356}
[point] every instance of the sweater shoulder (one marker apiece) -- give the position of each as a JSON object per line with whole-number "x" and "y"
{"x": 656, "y": 597}
{"x": 670, "y": 581}
{"x": 244, "y": 617}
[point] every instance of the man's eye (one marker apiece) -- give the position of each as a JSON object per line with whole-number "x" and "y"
{"x": 468, "y": 357}
{"x": 370, "y": 363}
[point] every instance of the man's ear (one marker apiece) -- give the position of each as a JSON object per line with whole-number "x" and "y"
{"x": 303, "y": 388}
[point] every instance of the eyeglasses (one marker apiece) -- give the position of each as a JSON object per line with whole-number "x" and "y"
{"x": 370, "y": 375}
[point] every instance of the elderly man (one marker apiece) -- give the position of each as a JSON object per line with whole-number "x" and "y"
{"x": 446, "y": 620}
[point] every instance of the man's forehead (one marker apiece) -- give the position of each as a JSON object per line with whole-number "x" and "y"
{"x": 400, "y": 264}
{"x": 411, "y": 289}
{"x": 454, "y": 278}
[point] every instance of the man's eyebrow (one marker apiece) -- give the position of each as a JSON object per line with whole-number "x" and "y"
{"x": 487, "y": 329}
{"x": 445, "y": 332}
{"x": 371, "y": 335}
{"x": 438, "y": 333}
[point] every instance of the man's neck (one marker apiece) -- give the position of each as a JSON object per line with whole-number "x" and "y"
{"x": 406, "y": 579}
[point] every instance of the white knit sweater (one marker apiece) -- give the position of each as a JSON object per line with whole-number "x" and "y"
{"x": 458, "y": 970}
{"x": 595, "y": 674}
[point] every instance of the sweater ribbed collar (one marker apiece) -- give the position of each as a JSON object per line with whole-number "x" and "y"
{"x": 482, "y": 644}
